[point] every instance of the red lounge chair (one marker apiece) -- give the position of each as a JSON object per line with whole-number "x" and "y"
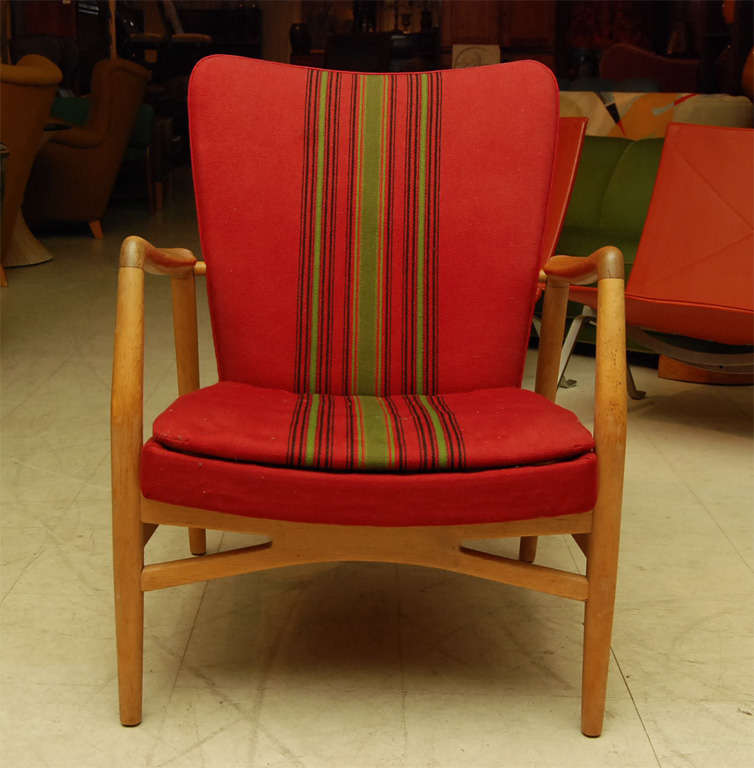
{"x": 372, "y": 246}
{"x": 690, "y": 295}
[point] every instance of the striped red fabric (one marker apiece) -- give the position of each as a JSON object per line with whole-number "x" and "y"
{"x": 371, "y": 234}
{"x": 367, "y": 283}
{"x": 463, "y": 431}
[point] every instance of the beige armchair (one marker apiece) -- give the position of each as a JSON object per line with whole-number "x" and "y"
{"x": 26, "y": 93}
{"x": 74, "y": 173}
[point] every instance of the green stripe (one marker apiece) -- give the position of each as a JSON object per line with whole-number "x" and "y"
{"x": 442, "y": 448}
{"x": 420, "y": 235}
{"x": 357, "y": 208}
{"x": 311, "y": 431}
{"x": 317, "y": 265}
{"x": 382, "y": 182}
{"x": 375, "y": 433}
{"x": 370, "y": 225}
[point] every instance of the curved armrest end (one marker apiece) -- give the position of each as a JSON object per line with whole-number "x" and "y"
{"x": 138, "y": 253}
{"x": 605, "y": 263}
{"x": 78, "y": 137}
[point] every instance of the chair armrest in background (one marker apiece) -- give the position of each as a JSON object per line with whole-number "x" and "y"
{"x": 605, "y": 263}
{"x": 78, "y": 137}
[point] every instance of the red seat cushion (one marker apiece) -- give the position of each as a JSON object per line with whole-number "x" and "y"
{"x": 487, "y": 455}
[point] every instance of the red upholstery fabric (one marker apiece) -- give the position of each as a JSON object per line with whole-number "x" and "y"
{"x": 372, "y": 234}
{"x": 371, "y": 241}
{"x": 567, "y": 155}
{"x": 694, "y": 270}
{"x": 483, "y": 429}
{"x": 361, "y": 498}
{"x": 698, "y": 321}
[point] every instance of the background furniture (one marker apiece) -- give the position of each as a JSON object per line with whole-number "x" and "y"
{"x": 623, "y": 61}
{"x": 27, "y": 91}
{"x": 642, "y": 115}
{"x": 690, "y": 295}
{"x": 567, "y": 156}
{"x": 372, "y": 443}
{"x": 611, "y": 196}
{"x": 74, "y": 174}
{"x": 148, "y": 152}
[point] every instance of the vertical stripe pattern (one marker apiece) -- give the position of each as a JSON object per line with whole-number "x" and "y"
{"x": 393, "y": 434}
{"x": 367, "y": 293}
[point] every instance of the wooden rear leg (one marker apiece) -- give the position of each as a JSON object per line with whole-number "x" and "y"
{"x": 527, "y": 549}
{"x": 197, "y": 541}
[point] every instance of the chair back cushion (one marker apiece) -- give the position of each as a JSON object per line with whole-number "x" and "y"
{"x": 627, "y": 195}
{"x": 570, "y": 141}
{"x": 697, "y": 244}
{"x": 371, "y": 234}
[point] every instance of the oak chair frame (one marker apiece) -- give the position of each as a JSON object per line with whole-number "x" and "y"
{"x": 135, "y": 518}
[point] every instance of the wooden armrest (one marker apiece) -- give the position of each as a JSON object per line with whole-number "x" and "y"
{"x": 604, "y": 263}
{"x": 79, "y": 137}
{"x": 191, "y": 37}
{"x": 138, "y": 253}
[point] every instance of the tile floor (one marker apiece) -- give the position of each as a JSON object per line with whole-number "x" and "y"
{"x": 344, "y": 665}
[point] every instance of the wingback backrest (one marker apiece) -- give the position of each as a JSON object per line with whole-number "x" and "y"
{"x": 371, "y": 234}
{"x": 26, "y": 93}
{"x": 698, "y": 239}
{"x": 117, "y": 92}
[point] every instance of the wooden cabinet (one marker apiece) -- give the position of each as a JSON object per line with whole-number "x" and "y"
{"x": 524, "y": 29}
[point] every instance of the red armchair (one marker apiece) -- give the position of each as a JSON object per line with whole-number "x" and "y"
{"x": 373, "y": 247}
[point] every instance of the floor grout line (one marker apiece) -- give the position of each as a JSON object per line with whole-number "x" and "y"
{"x": 636, "y": 706}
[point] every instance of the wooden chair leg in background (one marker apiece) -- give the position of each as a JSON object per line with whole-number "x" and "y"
{"x": 197, "y": 541}
{"x": 187, "y": 363}
{"x": 527, "y": 549}
{"x": 3, "y": 277}
{"x": 551, "y": 334}
{"x": 96, "y": 228}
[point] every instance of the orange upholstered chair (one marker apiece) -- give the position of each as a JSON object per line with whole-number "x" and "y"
{"x": 26, "y": 93}
{"x": 372, "y": 248}
{"x": 75, "y": 171}
{"x": 690, "y": 295}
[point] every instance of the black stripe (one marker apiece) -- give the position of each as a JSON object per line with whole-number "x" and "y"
{"x": 299, "y": 442}
{"x": 348, "y": 400}
{"x": 436, "y": 235}
{"x": 460, "y": 447}
{"x": 390, "y": 83}
{"x": 347, "y": 330}
{"x": 427, "y": 456}
{"x": 400, "y": 436}
{"x": 303, "y": 239}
